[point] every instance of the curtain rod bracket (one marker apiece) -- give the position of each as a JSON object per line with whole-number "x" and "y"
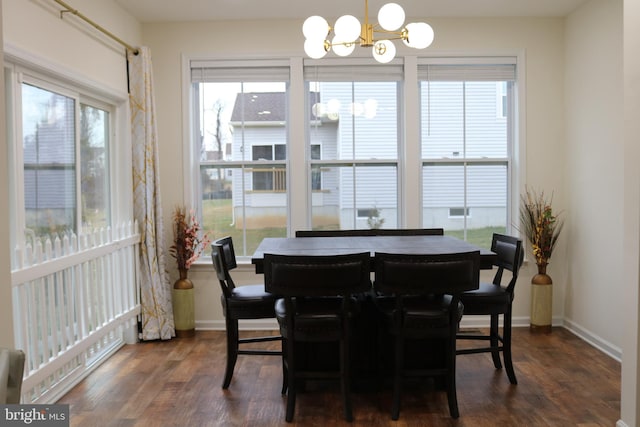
{"x": 72, "y": 11}
{"x": 68, "y": 9}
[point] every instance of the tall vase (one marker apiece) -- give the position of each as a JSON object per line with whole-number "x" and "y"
{"x": 541, "y": 301}
{"x": 183, "y": 306}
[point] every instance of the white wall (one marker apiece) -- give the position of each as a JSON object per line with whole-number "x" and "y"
{"x": 541, "y": 40}
{"x": 34, "y": 29}
{"x": 630, "y": 410}
{"x": 594, "y": 179}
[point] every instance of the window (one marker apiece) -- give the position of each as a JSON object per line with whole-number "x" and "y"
{"x": 374, "y": 156}
{"x": 458, "y": 212}
{"x": 65, "y": 175}
{"x": 502, "y": 106}
{"x": 467, "y": 140}
{"x": 269, "y": 178}
{"x": 316, "y": 174}
{"x": 240, "y": 139}
{"x": 354, "y": 112}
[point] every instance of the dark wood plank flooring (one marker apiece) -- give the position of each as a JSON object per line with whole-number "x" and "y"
{"x": 563, "y": 381}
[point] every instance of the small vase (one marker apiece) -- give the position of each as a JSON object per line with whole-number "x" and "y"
{"x": 183, "y": 306}
{"x": 541, "y": 301}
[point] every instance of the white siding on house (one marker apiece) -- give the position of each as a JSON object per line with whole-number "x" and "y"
{"x": 367, "y": 130}
{"x": 444, "y": 185}
{"x": 462, "y": 123}
{"x": 362, "y": 136}
{"x": 462, "y": 119}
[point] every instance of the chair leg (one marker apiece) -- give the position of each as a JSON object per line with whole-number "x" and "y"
{"x": 285, "y": 371}
{"x": 452, "y": 396}
{"x": 291, "y": 379}
{"x": 345, "y": 380}
{"x": 397, "y": 377}
{"x": 232, "y": 351}
{"x": 495, "y": 342}
{"x": 506, "y": 335}
{"x": 291, "y": 404}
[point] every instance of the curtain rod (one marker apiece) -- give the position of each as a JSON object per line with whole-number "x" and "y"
{"x": 69, "y": 9}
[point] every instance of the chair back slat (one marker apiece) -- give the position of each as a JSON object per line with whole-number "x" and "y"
{"x": 510, "y": 256}
{"x": 224, "y": 259}
{"x": 334, "y": 233}
{"x": 318, "y": 275}
{"x": 410, "y": 232}
{"x": 372, "y": 232}
{"x": 410, "y": 274}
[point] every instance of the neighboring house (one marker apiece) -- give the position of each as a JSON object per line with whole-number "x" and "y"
{"x": 451, "y": 193}
{"x": 49, "y": 164}
{"x": 258, "y": 123}
{"x": 50, "y": 174}
{"x": 364, "y": 132}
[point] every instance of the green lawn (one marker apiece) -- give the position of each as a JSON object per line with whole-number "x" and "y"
{"x": 477, "y": 236}
{"x": 218, "y": 221}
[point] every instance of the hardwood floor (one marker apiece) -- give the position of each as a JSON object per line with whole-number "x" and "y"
{"x": 563, "y": 381}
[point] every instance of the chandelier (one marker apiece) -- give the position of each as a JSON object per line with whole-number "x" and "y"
{"x": 347, "y": 32}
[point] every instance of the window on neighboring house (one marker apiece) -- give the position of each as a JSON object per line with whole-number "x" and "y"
{"x": 354, "y": 111}
{"x": 64, "y": 178}
{"x": 502, "y": 106}
{"x": 269, "y": 178}
{"x": 458, "y": 212}
{"x": 316, "y": 173}
{"x": 467, "y": 144}
{"x": 240, "y": 140}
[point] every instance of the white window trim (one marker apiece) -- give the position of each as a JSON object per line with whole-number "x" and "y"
{"x": 20, "y": 65}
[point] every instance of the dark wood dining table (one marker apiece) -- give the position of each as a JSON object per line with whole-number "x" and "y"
{"x": 372, "y": 244}
{"x": 369, "y": 346}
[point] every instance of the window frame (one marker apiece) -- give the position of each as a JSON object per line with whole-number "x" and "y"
{"x": 358, "y": 71}
{"x": 19, "y": 71}
{"x": 486, "y": 68}
{"x": 246, "y": 71}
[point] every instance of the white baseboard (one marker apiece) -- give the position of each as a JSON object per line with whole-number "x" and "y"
{"x": 519, "y": 322}
{"x": 621, "y": 423}
{"x": 243, "y": 325}
{"x": 468, "y": 322}
{"x": 596, "y": 341}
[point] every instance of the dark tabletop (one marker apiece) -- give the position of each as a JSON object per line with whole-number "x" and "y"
{"x": 355, "y": 244}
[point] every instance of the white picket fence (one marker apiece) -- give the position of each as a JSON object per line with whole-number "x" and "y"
{"x": 73, "y": 299}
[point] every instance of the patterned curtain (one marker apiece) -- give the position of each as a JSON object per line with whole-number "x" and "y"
{"x": 155, "y": 288}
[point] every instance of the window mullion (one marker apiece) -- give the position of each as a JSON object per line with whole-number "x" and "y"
{"x": 78, "y": 165}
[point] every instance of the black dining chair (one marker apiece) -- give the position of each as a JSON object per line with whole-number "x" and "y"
{"x": 240, "y": 302}
{"x": 418, "y": 300}
{"x": 317, "y": 306}
{"x": 495, "y": 299}
{"x": 335, "y": 233}
{"x": 409, "y": 232}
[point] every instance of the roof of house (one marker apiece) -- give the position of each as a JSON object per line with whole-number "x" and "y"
{"x": 264, "y": 107}
{"x": 259, "y": 107}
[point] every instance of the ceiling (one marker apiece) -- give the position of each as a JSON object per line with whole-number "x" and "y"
{"x": 147, "y": 11}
